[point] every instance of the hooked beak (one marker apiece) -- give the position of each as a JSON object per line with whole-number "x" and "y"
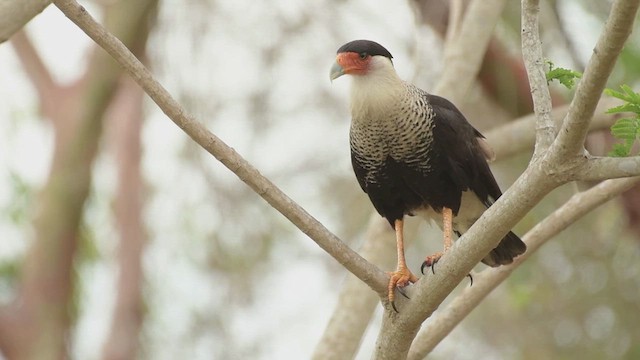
{"x": 336, "y": 71}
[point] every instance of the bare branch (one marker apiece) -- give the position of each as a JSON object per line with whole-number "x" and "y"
{"x": 456, "y": 10}
{"x": 534, "y": 63}
{"x": 14, "y": 14}
{"x": 465, "y": 54}
{"x": 601, "y": 168}
{"x": 445, "y": 320}
{"x": 356, "y": 304}
{"x": 427, "y": 294}
{"x": 518, "y": 135}
{"x": 570, "y": 141}
{"x": 351, "y": 260}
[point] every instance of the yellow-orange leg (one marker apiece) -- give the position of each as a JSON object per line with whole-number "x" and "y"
{"x": 402, "y": 276}
{"x": 447, "y": 229}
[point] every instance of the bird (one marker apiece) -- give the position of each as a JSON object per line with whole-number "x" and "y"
{"x": 414, "y": 153}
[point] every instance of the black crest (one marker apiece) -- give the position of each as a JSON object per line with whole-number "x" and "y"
{"x": 365, "y": 46}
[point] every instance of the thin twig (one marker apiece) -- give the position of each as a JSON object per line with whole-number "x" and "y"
{"x": 364, "y": 270}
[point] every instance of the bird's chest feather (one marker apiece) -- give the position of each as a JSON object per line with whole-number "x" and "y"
{"x": 400, "y": 133}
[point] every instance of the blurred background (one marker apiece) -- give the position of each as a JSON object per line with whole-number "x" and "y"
{"x": 122, "y": 233}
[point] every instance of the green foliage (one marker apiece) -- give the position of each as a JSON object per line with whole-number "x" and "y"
{"x": 626, "y": 129}
{"x": 564, "y": 76}
{"x": 21, "y": 198}
{"x": 9, "y": 271}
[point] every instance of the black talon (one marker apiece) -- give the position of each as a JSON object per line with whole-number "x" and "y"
{"x": 471, "y": 279}
{"x": 401, "y": 291}
{"x": 424, "y": 264}
{"x": 393, "y": 305}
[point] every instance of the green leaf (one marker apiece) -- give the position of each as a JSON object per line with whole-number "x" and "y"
{"x": 626, "y": 128}
{"x": 634, "y": 108}
{"x": 622, "y": 149}
{"x": 566, "y": 77}
{"x": 627, "y": 94}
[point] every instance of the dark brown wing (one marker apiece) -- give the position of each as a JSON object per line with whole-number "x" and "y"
{"x": 467, "y": 159}
{"x": 458, "y": 143}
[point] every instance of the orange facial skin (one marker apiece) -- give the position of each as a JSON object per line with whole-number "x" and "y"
{"x": 352, "y": 63}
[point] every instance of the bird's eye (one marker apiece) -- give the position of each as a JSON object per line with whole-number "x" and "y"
{"x": 363, "y": 55}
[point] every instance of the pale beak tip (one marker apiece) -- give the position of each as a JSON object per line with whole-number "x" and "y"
{"x": 336, "y": 71}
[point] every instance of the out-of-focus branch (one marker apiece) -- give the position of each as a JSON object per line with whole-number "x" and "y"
{"x": 126, "y": 120}
{"x": 370, "y": 274}
{"x": 534, "y": 63}
{"x": 36, "y": 325}
{"x": 441, "y": 324}
{"x": 571, "y": 137}
{"x": 34, "y": 67}
{"x": 465, "y": 53}
{"x": 14, "y": 14}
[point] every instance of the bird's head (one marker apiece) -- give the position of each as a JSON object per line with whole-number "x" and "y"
{"x": 376, "y": 84}
{"x": 362, "y": 58}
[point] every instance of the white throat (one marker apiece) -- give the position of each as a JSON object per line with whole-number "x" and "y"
{"x": 379, "y": 89}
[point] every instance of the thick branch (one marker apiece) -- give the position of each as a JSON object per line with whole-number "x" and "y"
{"x": 14, "y": 14}
{"x": 600, "y": 168}
{"x": 398, "y": 330}
{"x": 356, "y": 303}
{"x": 534, "y": 63}
{"x": 364, "y": 270}
{"x": 445, "y": 320}
{"x": 571, "y": 138}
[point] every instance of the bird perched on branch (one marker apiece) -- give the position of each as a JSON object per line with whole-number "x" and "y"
{"x": 414, "y": 153}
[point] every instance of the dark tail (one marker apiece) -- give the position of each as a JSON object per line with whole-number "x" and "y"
{"x": 510, "y": 247}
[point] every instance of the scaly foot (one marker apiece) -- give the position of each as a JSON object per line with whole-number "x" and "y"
{"x": 431, "y": 261}
{"x": 399, "y": 279}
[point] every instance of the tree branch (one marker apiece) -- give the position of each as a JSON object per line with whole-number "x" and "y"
{"x": 445, "y": 320}
{"x": 534, "y": 63}
{"x": 465, "y": 54}
{"x": 14, "y": 14}
{"x": 519, "y": 135}
{"x": 427, "y": 294}
{"x": 125, "y": 119}
{"x": 543, "y": 174}
{"x": 34, "y": 66}
{"x": 356, "y": 305}
{"x": 598, "y": 168}
{"x": 365, "y": 271}
{"x": 570, "y": 141}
